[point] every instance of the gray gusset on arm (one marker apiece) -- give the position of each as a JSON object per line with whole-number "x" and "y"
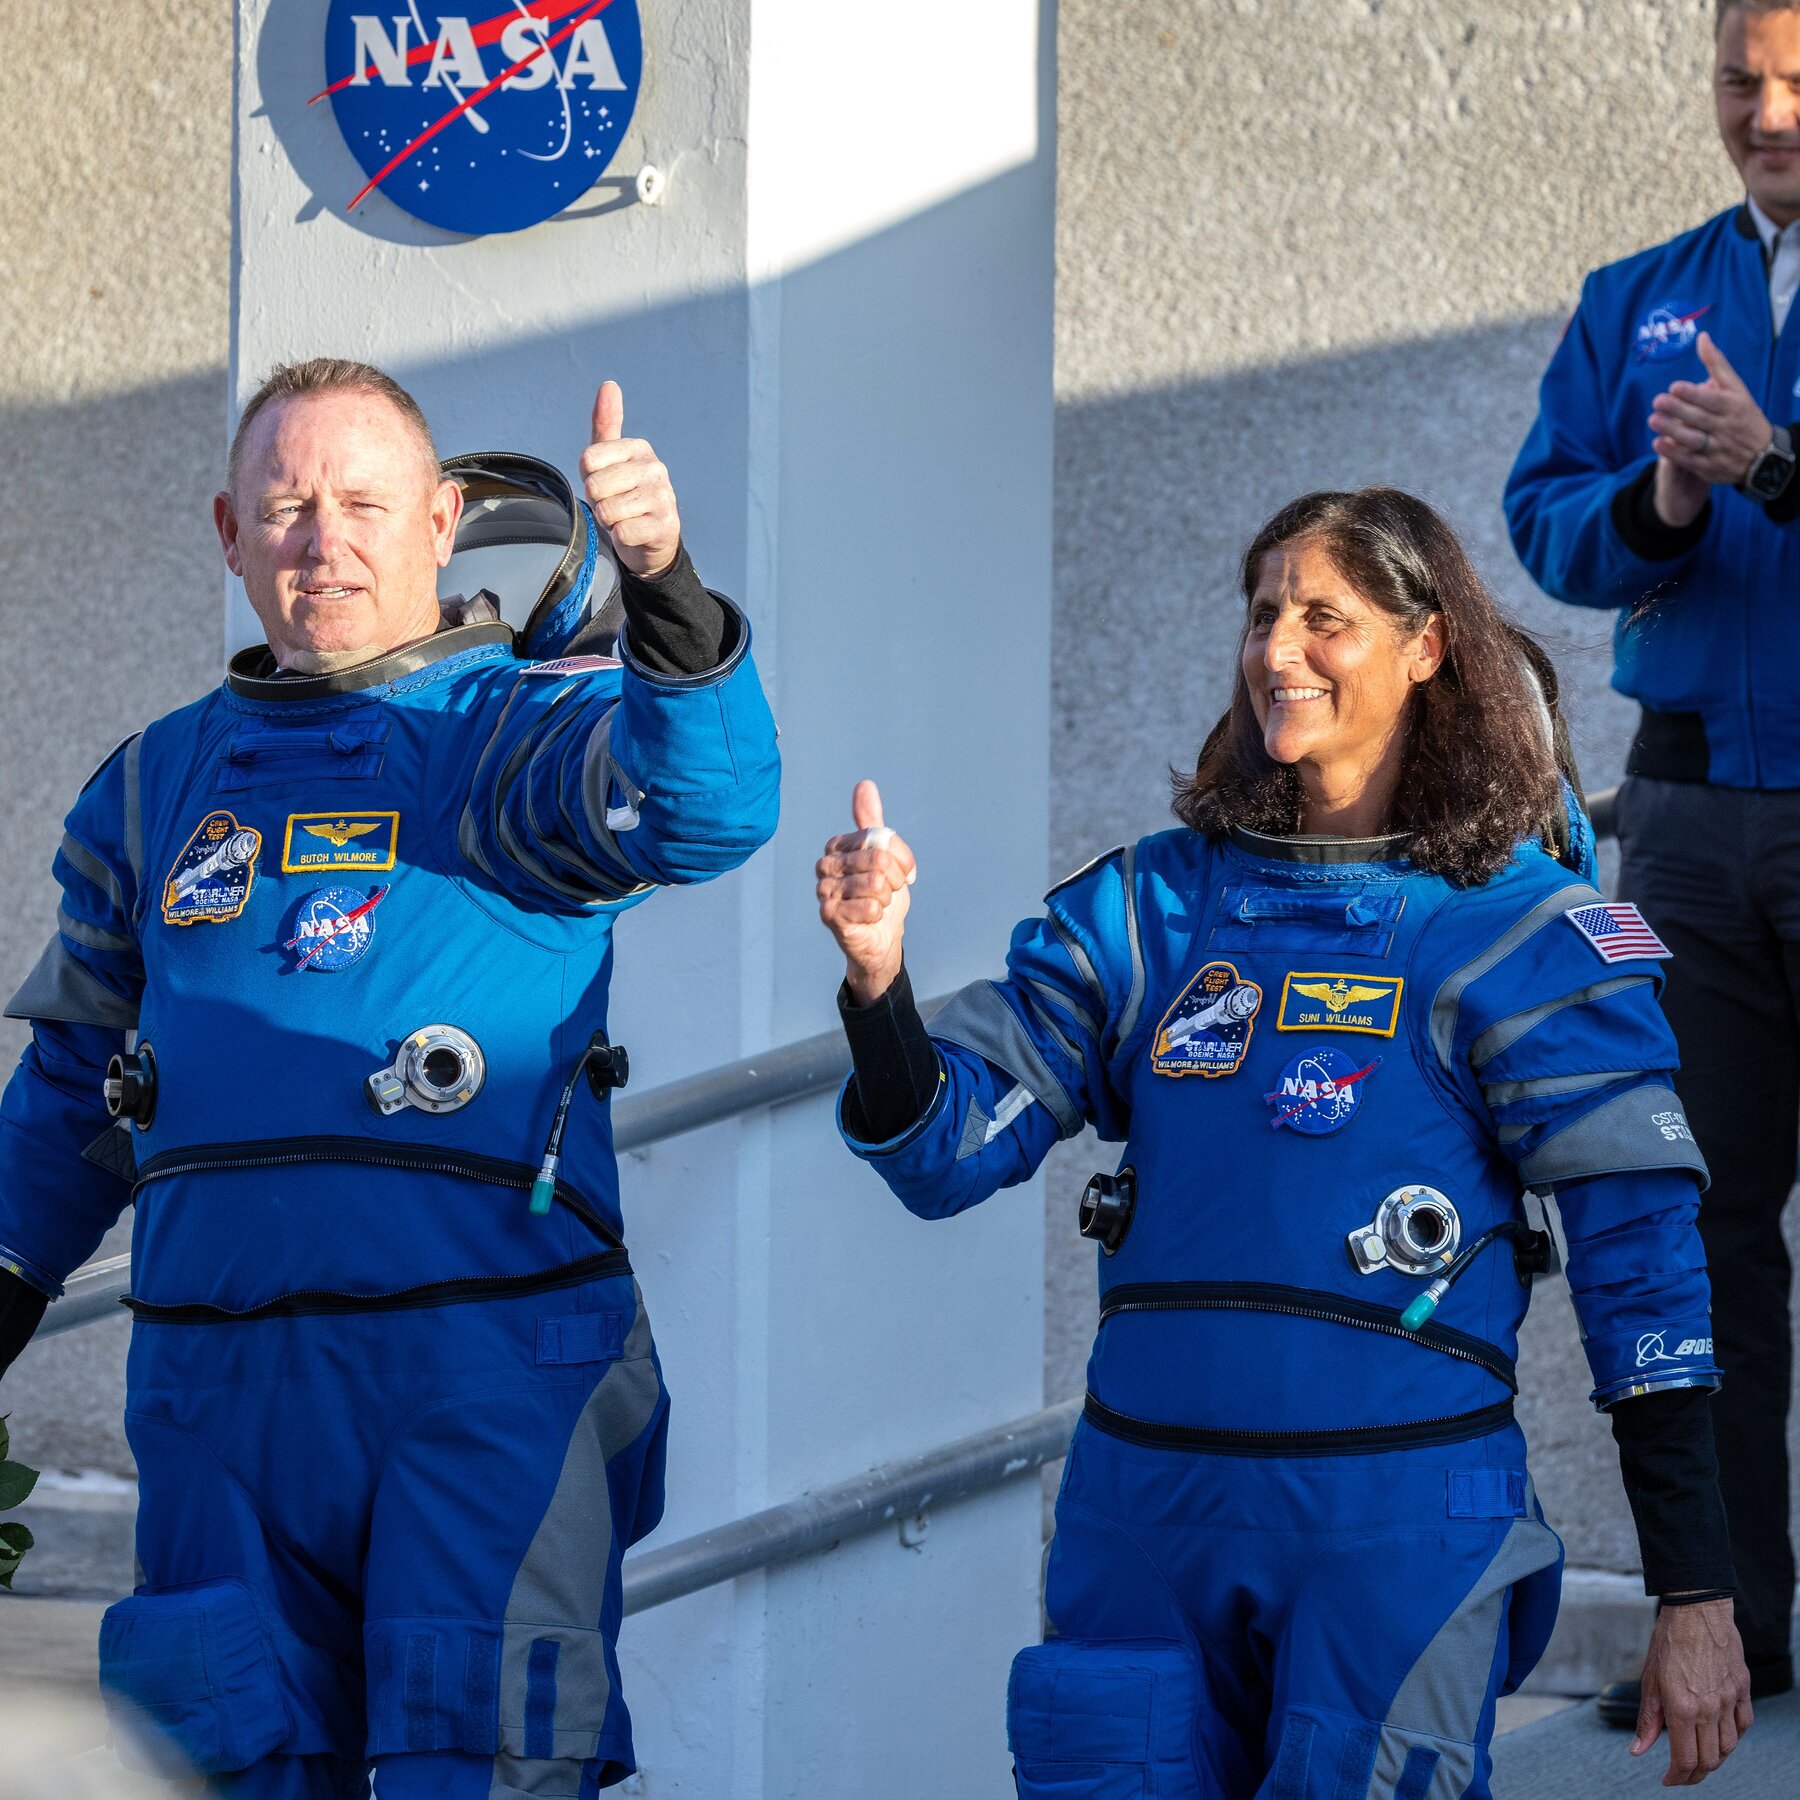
{"x": 979, "y": 1019}
{"x": 1643, "y": 1128}
{"x": 59, "y": 988}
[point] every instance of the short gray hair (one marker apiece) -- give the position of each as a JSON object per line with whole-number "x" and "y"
{"x": 1722, "y": 7}
{"x": 335, "y": 375}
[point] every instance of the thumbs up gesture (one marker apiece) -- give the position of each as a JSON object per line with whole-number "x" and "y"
{"x": 629, "y": 490}
{"x": 865, "y": 878}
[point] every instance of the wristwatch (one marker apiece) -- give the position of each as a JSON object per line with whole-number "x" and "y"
{"x": 1769, "y": 474}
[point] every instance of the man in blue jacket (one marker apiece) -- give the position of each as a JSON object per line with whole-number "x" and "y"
{"x": 1659, "y": 482}
{"x": 392, "y": 1392}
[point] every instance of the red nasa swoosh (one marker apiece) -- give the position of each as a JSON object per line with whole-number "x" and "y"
{"x": 489, "y": 31}
{"x": 343, "y": 924}
{"x": 592, "y": 10}
{"x": 1338, "y": 1085}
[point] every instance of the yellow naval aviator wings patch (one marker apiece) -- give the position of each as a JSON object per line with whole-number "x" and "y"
{"x": 339, "y": 840}
{"x": 1320, "y": 1000}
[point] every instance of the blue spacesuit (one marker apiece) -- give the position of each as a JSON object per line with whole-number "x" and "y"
{"x": 1297, "y": 1550}
{"x": 394, "y": 1425}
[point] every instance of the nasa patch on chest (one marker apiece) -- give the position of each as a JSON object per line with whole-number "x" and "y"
{"x": 334, "y": 927}
{"x": 1320, "y": 1091}
{"x": 210, "y": 880}
{"x": 1207, "y": 1030}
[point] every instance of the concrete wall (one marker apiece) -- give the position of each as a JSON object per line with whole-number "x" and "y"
{"x": 115, "y": 234}
{"x": 1318, "y": 243}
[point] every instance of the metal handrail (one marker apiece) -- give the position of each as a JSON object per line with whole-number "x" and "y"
{"x": 889, "y": 1495}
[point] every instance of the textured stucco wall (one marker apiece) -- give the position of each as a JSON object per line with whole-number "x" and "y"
{"x": 1307, "y": 243}
{"x": 115, "y": 234}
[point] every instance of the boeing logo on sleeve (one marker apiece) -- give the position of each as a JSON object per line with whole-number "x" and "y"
{"x": 482, "y": 115}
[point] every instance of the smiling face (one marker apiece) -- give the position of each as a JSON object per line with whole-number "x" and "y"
{"x": 338, "y": 523}
{"x": 1329, "y": 673}
{"x": 1756, "y": 88}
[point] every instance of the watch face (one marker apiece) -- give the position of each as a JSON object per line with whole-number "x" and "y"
{"x": 1769, "y": 474}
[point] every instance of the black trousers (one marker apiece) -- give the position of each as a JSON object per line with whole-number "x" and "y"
{"x": 1717, "y": 873}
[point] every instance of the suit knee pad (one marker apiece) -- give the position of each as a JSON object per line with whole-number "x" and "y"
{"x": 190, "y": 1681}
{"x": 1097, "y": 1720}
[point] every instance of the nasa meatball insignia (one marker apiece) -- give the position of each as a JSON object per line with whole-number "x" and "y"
{"x": 1667, "y": 330}
{"x": 485, "y": 117}
{"x": 334, "y": 928}
{"x": 1320, "y": 1091}
{"x": 210, "y": 880}
{"x": 1207, "y": 1030}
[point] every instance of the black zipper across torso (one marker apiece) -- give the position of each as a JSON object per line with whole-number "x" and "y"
{"x": 309, "y": 1302}
{"x": 1345, "y": 1440}
{"x": 275, "y": 1153}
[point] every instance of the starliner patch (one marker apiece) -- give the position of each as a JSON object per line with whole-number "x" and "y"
{"x": 210, "y": 880}
{"x": 1617, "y": 931}
{"x": 335, "y": 840}
{"x": 1207, "y": 1030}
{"x": 334, "y": 927}
{"x": 1313, "y": 1001}
{"x": 1320, "y": 1091}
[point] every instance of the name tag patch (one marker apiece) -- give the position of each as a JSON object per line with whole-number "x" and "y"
{"x": 1322, "y": 1001}
{"x": 210, "y": 882}
{"x": 335, "y": 840}
{"x": 1207, "y": 1030}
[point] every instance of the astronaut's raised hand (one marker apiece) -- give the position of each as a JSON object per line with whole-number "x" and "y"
{"x": 629, "y": 489}
{"x": 864, "y": 878}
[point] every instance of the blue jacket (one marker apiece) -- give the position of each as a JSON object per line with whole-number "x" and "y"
{"x": 1709, "y": 629}
{"x": 1281, "y": 1040}
{"x": 275, "y": 886}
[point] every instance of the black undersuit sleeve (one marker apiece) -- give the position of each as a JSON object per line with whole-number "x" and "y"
{"x": 675, "y": 626}
{"x": 1671, "y": 1475}
{"x": 21, "y": 1310}
{"x": 896, "y": 1069}
{"x": 1641, "y": 525}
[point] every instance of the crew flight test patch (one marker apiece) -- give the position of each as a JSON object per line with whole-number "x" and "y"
{"x": 1207, "y": 1030}
{"x": 357, "y": 840}
{"x": 210, "y": 880}
{"x": 1321, "y": 1001}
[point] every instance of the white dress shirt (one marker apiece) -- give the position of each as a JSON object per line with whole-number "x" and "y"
{"x": 1781, "y": 252}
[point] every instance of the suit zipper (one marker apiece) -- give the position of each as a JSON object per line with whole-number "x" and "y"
{"x": 1330, "y": 1315}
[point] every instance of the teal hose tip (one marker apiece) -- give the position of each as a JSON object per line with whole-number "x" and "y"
{"x": 1420, "y": 1310}
{"x": 543, "y": 1191}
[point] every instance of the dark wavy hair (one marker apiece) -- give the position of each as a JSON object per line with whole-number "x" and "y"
{"x": 1480, "y": 765}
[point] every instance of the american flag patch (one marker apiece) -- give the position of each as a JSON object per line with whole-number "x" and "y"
{"x": 1617, "y": 930}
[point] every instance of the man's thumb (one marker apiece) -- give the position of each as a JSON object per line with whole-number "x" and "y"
{"x": 1717, "y": 364}
{"x": 865, "y": 804}
{"x": 609, "y": 413}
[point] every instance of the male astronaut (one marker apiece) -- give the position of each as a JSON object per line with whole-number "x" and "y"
{"x": 392, "y": 1392}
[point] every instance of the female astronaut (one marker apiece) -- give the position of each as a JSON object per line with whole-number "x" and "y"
{"x": 1375, "y": 1054}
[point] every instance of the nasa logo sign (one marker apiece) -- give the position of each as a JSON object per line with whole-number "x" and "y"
{"x": 477, "y": 116}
